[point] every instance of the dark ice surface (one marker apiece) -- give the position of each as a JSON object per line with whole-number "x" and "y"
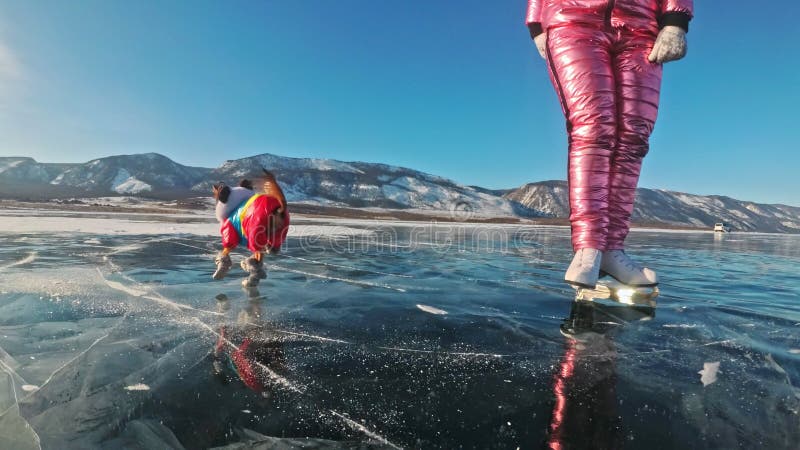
{"x": 412, "y": 337}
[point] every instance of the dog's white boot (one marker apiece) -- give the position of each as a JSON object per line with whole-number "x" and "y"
{"x": 585, "y": 268}
{"x": 254, "y": 267}
{"x": 627, "y": 271}
{"x": 224, "y": 264}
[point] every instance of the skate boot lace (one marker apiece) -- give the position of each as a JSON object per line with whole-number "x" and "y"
{"x": 627, "y": 262}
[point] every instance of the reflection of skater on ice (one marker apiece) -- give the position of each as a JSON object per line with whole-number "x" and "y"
{"x": 605, "y": 60}
{"x": 584, "y": 388}
{"x": 260, "y": 221}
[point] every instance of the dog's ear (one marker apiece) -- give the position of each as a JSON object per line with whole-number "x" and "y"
{"x": 221, "y": 192}
{"x": 224, "y": 193}
{"x": 247, "y": 184}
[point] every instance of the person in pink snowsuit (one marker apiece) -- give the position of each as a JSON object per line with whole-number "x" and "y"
{"x": 605, "y": 60}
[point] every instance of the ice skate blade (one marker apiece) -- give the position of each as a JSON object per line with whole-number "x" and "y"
{"x": 617, "y": 292}
{"x": 576, "y": 285}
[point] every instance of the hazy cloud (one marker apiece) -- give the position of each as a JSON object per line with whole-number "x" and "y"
{"x": 10, "y": 67}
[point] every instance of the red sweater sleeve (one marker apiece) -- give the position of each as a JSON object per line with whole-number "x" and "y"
{"x": 230, "y": 238}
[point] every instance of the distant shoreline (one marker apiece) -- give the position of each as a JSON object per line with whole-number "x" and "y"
{"x": 200, "y": 208}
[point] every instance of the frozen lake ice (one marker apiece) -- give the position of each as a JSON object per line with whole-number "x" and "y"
{"x": 373, "y": 335}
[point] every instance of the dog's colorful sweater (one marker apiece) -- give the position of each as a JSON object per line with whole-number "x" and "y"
{"x": 251, "y": 224}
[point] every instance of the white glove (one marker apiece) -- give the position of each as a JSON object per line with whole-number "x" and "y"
{"x": 670, "y": 45}
{"x": 541, "y": 44}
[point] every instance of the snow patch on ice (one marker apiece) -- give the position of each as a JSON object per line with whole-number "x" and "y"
{"x": 709, "y": 373}
{"x": 432, "y": 310}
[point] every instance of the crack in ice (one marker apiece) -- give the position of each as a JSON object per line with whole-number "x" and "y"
{"x": 347, "y": 267}
{"x": 28, "y": 259}
{"x": 353, "y": 424}
{"x": 344, "y": 280}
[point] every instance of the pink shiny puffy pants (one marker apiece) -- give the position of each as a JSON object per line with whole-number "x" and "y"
{"x": 609, "y": 94}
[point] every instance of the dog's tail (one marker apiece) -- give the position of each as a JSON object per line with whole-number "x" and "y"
{"x": 273, "y": 189}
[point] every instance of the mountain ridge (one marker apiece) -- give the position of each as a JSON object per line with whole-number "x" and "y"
{"x": 356, "y": 184}
{"x": 672, "y": 208}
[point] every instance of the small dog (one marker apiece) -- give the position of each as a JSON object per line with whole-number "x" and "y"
{"x": 258, "y": 220}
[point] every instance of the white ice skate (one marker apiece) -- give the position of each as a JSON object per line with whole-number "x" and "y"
{"x": 584, "y": 270}
{"x": 628, "y": 283}
{"x": 618, "y": 265}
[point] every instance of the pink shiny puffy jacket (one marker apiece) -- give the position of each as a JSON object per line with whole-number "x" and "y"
{"x": 636, "y": 15}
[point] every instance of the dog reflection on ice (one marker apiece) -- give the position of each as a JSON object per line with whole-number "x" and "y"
{"x": 247, "y": 349}
{"x": 585, "y": 410}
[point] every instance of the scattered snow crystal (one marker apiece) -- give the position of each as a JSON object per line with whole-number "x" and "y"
{"x": 432, "y": 310}
{"x": 709, "y": 373}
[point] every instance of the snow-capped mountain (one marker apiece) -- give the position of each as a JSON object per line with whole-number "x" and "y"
{"x": 329, "y": 182}
{"x": 549, "y": 197}
{"x": 675, "y": 208}
{"x": 359, "y": 184}
{"x": 28, "y": 170}
{"x": 132, "y": 174}
{"x": 318, "y": 181}
{"x": 145, "y": 174}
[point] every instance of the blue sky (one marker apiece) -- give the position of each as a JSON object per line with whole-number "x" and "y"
{"x": 459, "y": 92}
